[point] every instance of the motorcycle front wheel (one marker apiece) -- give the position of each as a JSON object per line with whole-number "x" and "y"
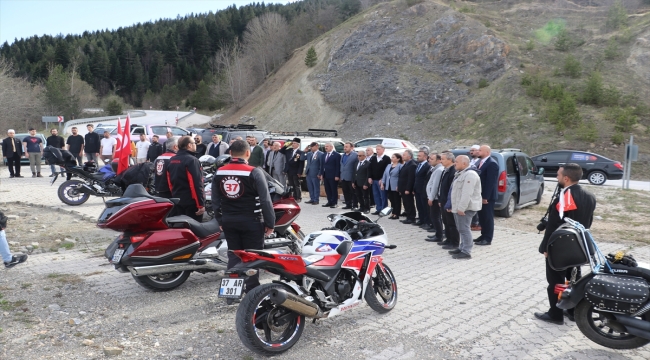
{"x": 162, "y": 282}
{"x": 602, "y": 328}
{"x": 381, "y": 294}
{"x": 69, "y": 193}
{"x": 265, "y": 328}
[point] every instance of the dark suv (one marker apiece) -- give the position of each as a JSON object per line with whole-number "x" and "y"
{"x": 229, "y": 132}
{"x": 520, "y": 182}
{"x": 595, "y": 168}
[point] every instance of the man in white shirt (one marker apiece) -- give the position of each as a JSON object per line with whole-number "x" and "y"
{"x": 107, "y": 148}
{"x": 142, "y": 148}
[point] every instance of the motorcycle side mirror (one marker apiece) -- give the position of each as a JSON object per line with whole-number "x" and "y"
{"x": 385, "y": 211}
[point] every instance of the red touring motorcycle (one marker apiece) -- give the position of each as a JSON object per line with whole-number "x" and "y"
{"x": 271, "y": 317}
{"x": 160, "y": 252}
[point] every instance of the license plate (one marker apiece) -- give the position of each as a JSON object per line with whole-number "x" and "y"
{"x": 117, "y": 256}
{"x": 231, "y": 288}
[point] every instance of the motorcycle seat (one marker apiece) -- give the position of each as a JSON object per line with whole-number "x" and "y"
{"x": 632, "y": 271}
{"x": 199, "y": 229}
{"x": 99, "y": 177}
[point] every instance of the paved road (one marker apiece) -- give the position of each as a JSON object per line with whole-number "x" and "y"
{"x": 634, "y": 184}
{"x": 477, "y": 309}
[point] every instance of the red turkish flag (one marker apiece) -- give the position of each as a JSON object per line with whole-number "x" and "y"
{"x": 566, "y": 203}
{"x": 125, "y": 147}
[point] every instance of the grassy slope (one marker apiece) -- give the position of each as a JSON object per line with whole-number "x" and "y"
{"x": 501, "y": 114}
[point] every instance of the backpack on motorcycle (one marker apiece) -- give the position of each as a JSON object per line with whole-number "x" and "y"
{"x": 90, "y": 166}
{"x": 107, "y": 171}
{"x": 136, "y": 174}
{"x": 53, "y": 155}
{"x": 566, "y": 248}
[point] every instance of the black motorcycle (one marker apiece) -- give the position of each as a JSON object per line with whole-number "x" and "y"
{"x": 85, "y": 181}
{"x": 612, "y": 302}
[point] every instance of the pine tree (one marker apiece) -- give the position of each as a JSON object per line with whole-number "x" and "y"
{"x": 311, "y": 58}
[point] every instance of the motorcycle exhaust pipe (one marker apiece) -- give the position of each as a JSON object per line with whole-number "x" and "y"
{"x": 194, "y": 265}
{"x": 295, "y": 303}
{"x": 635, "y": 326}
{"x": 84, "y": 188}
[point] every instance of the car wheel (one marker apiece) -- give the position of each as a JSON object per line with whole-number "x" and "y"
{"x": 540, "y": 193}
{"x": 507, "y": 211}
{"x": 597, "y": 177}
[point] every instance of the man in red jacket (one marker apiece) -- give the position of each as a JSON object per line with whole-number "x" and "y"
{"x": 185, "y": 180}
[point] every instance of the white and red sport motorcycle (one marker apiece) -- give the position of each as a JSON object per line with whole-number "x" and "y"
{"x": 271, "y": 317}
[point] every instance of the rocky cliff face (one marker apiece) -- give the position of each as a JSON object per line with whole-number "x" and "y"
{"x": 417, "y": 60}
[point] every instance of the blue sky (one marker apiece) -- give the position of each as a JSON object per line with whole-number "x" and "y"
{"x": 25, "y": 18}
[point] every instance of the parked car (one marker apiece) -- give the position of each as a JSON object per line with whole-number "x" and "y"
{"x": 229, "y": 132}
{"x": 392, "y": 146}
{"x": 320, "y": 136}
{"x": 595, "y": 168}
{"x": 24, "y": 160}
{"x": 520, "y": 182}
{"x": 151, "y": 130}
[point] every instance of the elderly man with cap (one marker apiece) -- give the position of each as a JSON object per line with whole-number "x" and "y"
{"x": 294, "y": 167}
{"x": 315, "y": 159}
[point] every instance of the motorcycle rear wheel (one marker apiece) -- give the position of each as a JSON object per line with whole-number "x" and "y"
{"x": 381, "y": 294}
{"x": 265, "y": 328}
{"x": 69, "y": 194}
{"x": 162, "y": 282}
{"x": 592, "y": 325}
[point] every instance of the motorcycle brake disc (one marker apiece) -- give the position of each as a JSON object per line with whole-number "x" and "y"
{"x": 270, "y": 320}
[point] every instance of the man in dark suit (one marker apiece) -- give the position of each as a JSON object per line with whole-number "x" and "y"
{"x": 573, "y": 203}
{"x": 293, "y": 168}
{"x": 378, "y": 163}
{"x": 314, "y": 160}
{"x": 12, "y": 150}
{"x": 489, "y": 174}
{"x": 361, "y": 184}
{"x": 349, "y": 161}
{"x": 331, "y": 172}
{"x": 451, "y": 231}
{"x": 420, "y": 188}
{"x": 405, "y": 184}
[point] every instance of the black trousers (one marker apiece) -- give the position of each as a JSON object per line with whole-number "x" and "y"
{"x": 13, "y": 163}
{"x": 364, "y": 197}
{"x": 554, "y": 277}
{"x": 435, "y": 218}
{"x": 189, "y": 210}
{"x": 395, "y": 202}
{"x": 349, "y": 195}
{"x": 331, "y": 189}
{"x": 422, "y": 206}
{"x": 451, "y": 231}
{"x": 242, "y": 234}
{"x": 486, "y": 219}
{"x": 409, "y": 206}
{"x": 294, "y": 181}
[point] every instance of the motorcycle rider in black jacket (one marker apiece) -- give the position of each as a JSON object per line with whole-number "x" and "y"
{"x": 574, "y": 203}
{"x": 185, "y": 180}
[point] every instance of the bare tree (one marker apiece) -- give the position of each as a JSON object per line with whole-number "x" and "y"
{"x": 265, "y": 38}
{"x": 234, "y": 67}
{"x": 22, "y": 104}
{"x": 355, "y": 92}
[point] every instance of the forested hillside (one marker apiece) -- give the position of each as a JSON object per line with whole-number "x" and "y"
{"x": 161, "y": 64}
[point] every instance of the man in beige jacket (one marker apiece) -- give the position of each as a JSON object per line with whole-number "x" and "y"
{"x": 465, "y": 202}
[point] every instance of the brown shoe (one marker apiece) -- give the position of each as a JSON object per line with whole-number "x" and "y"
{"x": 475, "y": 228}
{"x": 39, "y": 175}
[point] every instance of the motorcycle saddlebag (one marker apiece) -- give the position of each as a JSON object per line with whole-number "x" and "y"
{"x": 617, "y": 293}
{"x": 566, "y": 249}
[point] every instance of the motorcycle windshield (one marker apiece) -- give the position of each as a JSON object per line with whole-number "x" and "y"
{"x": 273, "y": 183}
